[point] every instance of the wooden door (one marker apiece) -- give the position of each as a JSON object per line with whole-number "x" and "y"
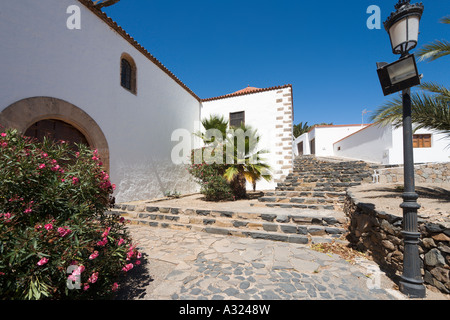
{"x": 56, "y": 130}
{"x": 313, "y": 146}
{"x": 300, "y": 148}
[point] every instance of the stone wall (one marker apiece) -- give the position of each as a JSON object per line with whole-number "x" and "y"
{"x": 424, "y": 173}
{"x": 379, "y": 234}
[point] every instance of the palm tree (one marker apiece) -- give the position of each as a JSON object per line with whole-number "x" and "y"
{"x": 213, "y": 122}
{"x": 243, "y": 162}
{"x": 430, "y": 105}
{"x": 247, "y": 165}
{"x": 300, "y": 129}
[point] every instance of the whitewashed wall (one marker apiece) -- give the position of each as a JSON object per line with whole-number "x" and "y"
{"x": 439, "y": 151}
{"x": 373, "y": 144}
{"x": 384, "y": 144}
{"x": 270, "y": 112}
{"x": 306, "y": 147}
{"x": 42, "y": 57}
{"x": 324, "y": 137}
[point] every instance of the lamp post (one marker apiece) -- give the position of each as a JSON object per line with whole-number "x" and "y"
{"x": 403, "y": 28}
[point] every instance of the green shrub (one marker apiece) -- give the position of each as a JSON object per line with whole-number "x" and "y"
{"x": 56, "y": 240}
{"x": 212, "y": 182}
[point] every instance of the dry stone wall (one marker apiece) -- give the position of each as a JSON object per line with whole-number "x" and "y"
{"x": 424, "y": 173}
{"x": 379, "y": 234}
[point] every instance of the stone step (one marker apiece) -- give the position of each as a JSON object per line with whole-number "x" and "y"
{"x": 295, "y": 227}
{"x": 320, "y": 184}
{"x": 331, "y": 207}
{"x": 286, "y": 233}
{"x": 292, "y": 216}
{"x": 311, "y": 189}
{"x": 302, "y": 200}
{"x": 331, "y": 175}
{"x": 315, "y": 194}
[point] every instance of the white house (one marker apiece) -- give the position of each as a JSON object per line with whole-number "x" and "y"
{"x": 268, "y": 110}
{"x": 68, "y": 69}
{"x": 319, "y": 140}
{"x": 372, "y": 143}
{"x": 384, "y": 144}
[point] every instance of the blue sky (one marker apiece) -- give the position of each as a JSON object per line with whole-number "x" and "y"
{"x": 323, "y": 48}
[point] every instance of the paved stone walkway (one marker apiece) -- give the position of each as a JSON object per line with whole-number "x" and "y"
{"x": 181, "y": 265}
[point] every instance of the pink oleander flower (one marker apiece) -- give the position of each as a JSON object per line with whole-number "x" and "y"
{"x": 78, "y": 271}
{"x": 137, "y": 262}
{"x": 93, "y": 278}
{"x": 127, "y": 267}
{"x": 75, "y": 180}
{"x": 94, "y": 255}
{"x": 105, "y": 234}
{"x": 42, "y": 166}
{"x": 121, "y": 241}
{"x": 114, "y": 287}
{"x": 4, "y": 144}
{"x": 63, "y": 231}
{"x": 6, "y": 216}
{"x": 48, "y": 227}
{"x": 44, "y": 155}
{"x": 95, "y": 158}
{"x": 55, "y": 168}
{"x": 42, "y": 261}
{"x": 103, "y": 242}
{"x": 28, "y": 210}
{"x": 3, "y": 134}
{"x": 86, "y": 287}
{"x": 114, "y": 187}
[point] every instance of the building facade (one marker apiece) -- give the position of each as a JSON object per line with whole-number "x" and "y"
{"x": 97, "y": 83}
{"x": 270, "y": 111}
{"x": 373, "y": 143}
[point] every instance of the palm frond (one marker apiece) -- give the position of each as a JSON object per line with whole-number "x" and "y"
{"x": 445, "y": 20}
{"x": 441, "y": 92}
{"x": 428, "y": 111}
{"x": 434, "y": 50}
{"x": 231, "y": 172}
{"x": 389, "y": 113}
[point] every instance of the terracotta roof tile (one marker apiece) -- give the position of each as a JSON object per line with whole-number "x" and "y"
{"x": 248, "y": 90}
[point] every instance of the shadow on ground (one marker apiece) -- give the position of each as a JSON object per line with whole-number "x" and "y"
{"x": 134, "y": 285}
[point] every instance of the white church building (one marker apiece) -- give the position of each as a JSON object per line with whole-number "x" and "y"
{"x": 70, "y": 71}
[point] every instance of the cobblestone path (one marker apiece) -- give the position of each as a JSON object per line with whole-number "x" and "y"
{"x": 184, "y": 265}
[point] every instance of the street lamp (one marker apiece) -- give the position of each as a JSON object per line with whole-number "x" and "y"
{"x": 403, "y": 28}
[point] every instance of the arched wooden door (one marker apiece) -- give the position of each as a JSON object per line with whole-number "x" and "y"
{"x": 56, "y": 130}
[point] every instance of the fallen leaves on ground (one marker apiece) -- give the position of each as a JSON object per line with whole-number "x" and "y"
{"x": 343, "y": 250}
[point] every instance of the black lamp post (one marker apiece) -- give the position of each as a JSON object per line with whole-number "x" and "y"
{"x": 403, "y": 29}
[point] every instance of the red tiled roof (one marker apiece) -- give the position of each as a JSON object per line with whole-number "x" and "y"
{"x": 248, "y": 90}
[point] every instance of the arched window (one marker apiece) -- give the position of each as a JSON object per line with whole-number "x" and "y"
{"x": 128, "y": 73}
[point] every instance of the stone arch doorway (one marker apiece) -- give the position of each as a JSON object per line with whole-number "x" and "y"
{"x": 56, "y": 130}
{"x": 52, "y": 116}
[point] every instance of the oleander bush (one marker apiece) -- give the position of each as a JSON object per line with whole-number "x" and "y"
{"x": 213, "y": 184}
{"x": 56, "y": 240}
